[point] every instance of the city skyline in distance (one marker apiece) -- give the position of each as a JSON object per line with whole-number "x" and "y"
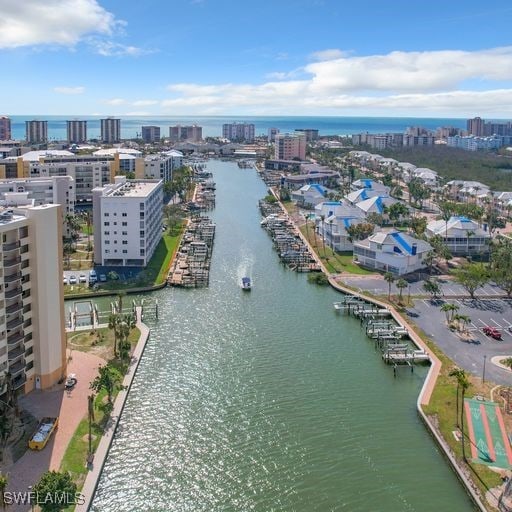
{"x": 308, "y": 57}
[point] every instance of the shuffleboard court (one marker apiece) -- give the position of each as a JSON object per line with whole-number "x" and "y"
{"x": 487, "y": 434}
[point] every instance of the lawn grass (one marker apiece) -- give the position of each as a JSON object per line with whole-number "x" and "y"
{"x": 334, "y": 262}
{"x": 98, "y": 341}
{"x": 75, "y": 457}
{"x": 289, "y": 206}
{"x": 442, "y": 407}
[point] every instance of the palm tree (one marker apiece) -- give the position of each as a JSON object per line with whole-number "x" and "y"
{"x": 113, "y": 323}
{"x": 322, "y": 217}
{"x": 120, "y": 296}
{"x": 401, "y": 284}
{"x": 3, "y": 487}
{"x": 463, "y": 385}
{"x": 389, "y": 278}
{"x": 469, "y": 234}
{"x": 449, "y": 310}
{"x": 455, "y": 372}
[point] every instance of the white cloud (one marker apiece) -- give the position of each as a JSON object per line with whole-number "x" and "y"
{"x": 112, "y": 49}
{"x": 330, "y": 54}
{"x": 115, "y": 101}
{"x": 61, "y": 22}
{"x": 440, "y": 82}
{"x": 69, "y": 90}
{"x": 144, "y": 103}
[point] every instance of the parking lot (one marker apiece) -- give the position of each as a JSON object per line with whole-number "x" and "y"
{"x": 470, "y": 353}
{"x": 124, "y": 274}
{"x": 378, "y": 286}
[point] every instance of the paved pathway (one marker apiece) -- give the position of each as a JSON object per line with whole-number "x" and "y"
{"x": 101, "y": 453}
{"x": 70, "y": 407}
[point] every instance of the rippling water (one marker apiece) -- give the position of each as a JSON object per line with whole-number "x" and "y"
{"x": 268, "y": 400}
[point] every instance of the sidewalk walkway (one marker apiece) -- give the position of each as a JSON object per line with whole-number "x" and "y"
{"x": 100, "y": 456}
{"x": 70, "y": 407}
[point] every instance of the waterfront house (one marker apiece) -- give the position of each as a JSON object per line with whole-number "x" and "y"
{"x": 309, "y": 196}
{"x": 461, "y": 190}
{"x": 429, "y": 177}
{"x": 376, "y": 204}
{"x": 369, "y": 185}
{"x": 332, "y": 219}
{"x": 392, "y": 251}
{"x": 463, "y": 236}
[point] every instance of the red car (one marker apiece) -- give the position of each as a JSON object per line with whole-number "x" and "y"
{"x": 492, "y": 332}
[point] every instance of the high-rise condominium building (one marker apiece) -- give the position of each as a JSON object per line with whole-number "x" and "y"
{"x": 311, "y": 133}
{"x": 475, "y": 126}
{"x": 77, "y": 131}
{"x": 290, "y": 146}
{"x": 36, "y": 131}
{"x": 110, "y": 130}
{"x": 181, "y": 133}
{"x": 238, "y": 132}
{"x": 150, "y": 134}
{"x": 272, "y": 132}
{"x": 5, "y": 128}
{"x": 32, "y": 322}
{"x": 127, "y": 220}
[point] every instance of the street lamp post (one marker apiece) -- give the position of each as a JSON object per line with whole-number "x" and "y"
{"x": 483, "y": 371}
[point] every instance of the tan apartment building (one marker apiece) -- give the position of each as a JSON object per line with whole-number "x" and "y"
{"x": 32, "y": 322}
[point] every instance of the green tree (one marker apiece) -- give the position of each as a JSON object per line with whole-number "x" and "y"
{"x": 389, "y": 278}
{"x": 54, "y": 483}
{"x": 113, "y": 324}
{"x": 360, "y": 231}
{"x": 109, "y": 379}
{"x": 501, "y": 264}
{"x": 397, "y": 211}
{"x": 462, "y": 385}
{"x": 449, "y": 310}
{"x": 401, "y": 284}
{"x": 471, "y": 277}
{"x": 429, "y": 260}
{"x": 419, "y": 225}
{"x": 432, "y": 287}
{"x": 3, "y": 487}
{"x": 418, "y": 191}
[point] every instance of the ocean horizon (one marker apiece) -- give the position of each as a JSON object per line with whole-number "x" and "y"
{"x": 212, "y": 125}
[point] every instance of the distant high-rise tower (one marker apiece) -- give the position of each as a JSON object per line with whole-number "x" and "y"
{"x": 290, "y": 146}
{"x": 150, "y": 133}
{"x": 272, "y": 132}
{"x": 475, "y": 126}
{"x": 180, "y": 133}
{"x": 110, "y": 130}
{"x": 5, "y": 128}
{"x": 36, "y": 131}
{"x": 239, "y": 132}
{"x": 77, "y": 131}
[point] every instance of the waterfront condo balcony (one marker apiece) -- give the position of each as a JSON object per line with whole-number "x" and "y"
{"x": 19, "y": 381}
{"x": 14, "y": 338}
{"x": 12, "y": 262}
{"x": 11, "y": 247}
{"x": 12, "y": 277}
{"x": 15, "y": 353}
{"x": 13, "y": 308}
{"x": 16, "y": 322}
{"x": 17, "y": 368}
{"x": 10, "y": 294}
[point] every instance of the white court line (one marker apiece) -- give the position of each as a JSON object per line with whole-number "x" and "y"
{"x": 474, "y": 326}
{"x": 508, "y": 324}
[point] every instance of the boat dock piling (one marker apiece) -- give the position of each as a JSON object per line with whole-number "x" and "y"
{"x": 191, "y": 267}
{"x": 287, "y": 242}
{"x": 389, "y": 336}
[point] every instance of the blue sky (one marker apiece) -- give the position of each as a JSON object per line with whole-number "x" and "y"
{"x": 290, "y": 57}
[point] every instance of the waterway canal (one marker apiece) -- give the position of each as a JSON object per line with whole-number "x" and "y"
{"x": 268, "y": 400}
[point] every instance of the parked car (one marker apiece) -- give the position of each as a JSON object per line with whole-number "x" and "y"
{"x": 492, "y": 332}
{"x": 73, "y": 280}
{"x": 103, "y": 278}
{"x": 93, "y": 277}
{"x": 82, "y": 278}
{"x": 65, "y": 280}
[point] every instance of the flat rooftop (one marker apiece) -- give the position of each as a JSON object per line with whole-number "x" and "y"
{"x": 132, "y": 189}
